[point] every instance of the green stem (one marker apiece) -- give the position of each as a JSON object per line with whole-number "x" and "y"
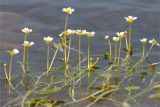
{"x": 143, "y": 51}
{"x": 48, "y": 57}
{"x": 110, "y": 50}
{"x": 88, "y": 53}
{"x": 5, "y": 71}
{"x": 89, "y": 72}
{"x": 65, "y": 50}
{"x": 130, "y": 31}
{"x": 119, "y": 52}
{"x": 24, "y": 53}
{"x": 115, "y": 62}
{"x": 79, "y": 58}
{"x": 115, "y": 54}
{"x": 126, "y": 42}
{"x": 52, "y": 61}
{"x": 27, "y": 59}
{"x": 10, "y": 67}
{"x": 69, "y": 49}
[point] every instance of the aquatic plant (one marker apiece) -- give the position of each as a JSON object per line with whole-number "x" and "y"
{"x": 122, "y": 70}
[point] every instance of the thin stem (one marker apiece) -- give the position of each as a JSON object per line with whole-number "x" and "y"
{"x": 130, "y": 31}
{"x": 143, "y": 51}
{"x": 5, "y": 71}
{"x": 115, "y": 54}
{"x": 115, "y": 62}
{"x": 27, "y": 59}
{"x": 79, "y": 59}
{"x": 88, "y": 58}
{"x": 24, "y": 53}
{"x": 89, "y": 54}
{"x": 126, "y": 42}
{"x": 10, "y": 67}
{"x": 119, "y": 52}
{"x": 110, "y": 50}
{"x": 24, "y": 60}
{"x": 69, "y": 49}
{"x": 65, "y": 49}
{"x": 52, "y": 61}
{"x": 48, "y": 57}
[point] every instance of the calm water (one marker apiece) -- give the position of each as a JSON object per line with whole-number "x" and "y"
{"x": 45, "y": 18}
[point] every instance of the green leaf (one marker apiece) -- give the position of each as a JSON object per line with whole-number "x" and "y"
{"x": 47, "y": 91}
{"x": 110, "y": 63}
{"x": 133, "y": 69}
{"x": 106, "y": 75}
{"x": 129, "y": 88}
{"x": 157, "y": 95}
{"x": 95, "y": 67}
{"x": 41, "y": 101}
{"x": 125, "y": 104}
{"x": 157, "y": 86}
{"x": 125, "y": 49}
{"x": 106, "y": 56}
{"x": 144, "y": 74}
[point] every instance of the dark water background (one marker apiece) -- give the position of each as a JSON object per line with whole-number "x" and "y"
{"x": 45, "y": 18}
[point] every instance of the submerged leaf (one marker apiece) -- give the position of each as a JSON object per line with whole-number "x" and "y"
{"x": 95, "y": 67}
{"x": 106, "y": 75}
{"x": 106, "y": 55}
{"x": 157, "y": 86}
{"x": 129, "y": 88}
{"x": 38, "y": 102}
{"x": 125, "y": 104}
{"x": 157, "y": 95}
{"x": 47, "y": 91}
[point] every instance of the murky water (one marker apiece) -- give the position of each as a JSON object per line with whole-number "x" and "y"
{"x": 45, "y": 18}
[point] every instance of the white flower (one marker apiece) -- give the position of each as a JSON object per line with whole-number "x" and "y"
{"x": 68, "y": 10}
{"x": 154, "y": 42}
{"x": 26, "y": 30}
{"x": 144, "y": 40}
{"x": 13, "y": 52}
{"x": 115, "y": 39}
{"x": 61, "y": 34}
{"x": 125, "y": 33}
{"x": 80, "y": 32}
{"x": 130, "y": 19}
{"x": 27, "y": 43}
{"x": 48, "y": 39}
{"x": 106, "y": 37}
{"x": 69, "y": 32}
{"x": 58, "y": 46}
{"x": 120, "y": 34}
{"x": 90, "y": 34}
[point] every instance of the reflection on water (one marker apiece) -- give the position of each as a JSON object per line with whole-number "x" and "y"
{"x": 45, "y": 18}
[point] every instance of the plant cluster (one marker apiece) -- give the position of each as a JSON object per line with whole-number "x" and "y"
{"x": 112, "y": 77}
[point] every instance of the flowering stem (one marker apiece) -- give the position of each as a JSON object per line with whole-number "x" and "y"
{"x": 27, "y": 59}
{"x": 129, "y": 47}
{"x": 52, "y": 60}
{"x": 69, "y": 49}
{"x": 24, "y": 49}
{"x": 65, "y": 50}
{"x": 89, "y": 72}
{"x": 126, "y": 42}
{"x": 10, "y": 67}
{"x": 119, "y": 52}
{"x": 110, "y": 50}
{"x": 115, "y": 54}
{"x": 143, "y": 51}
{"x": 79, "y": 58}
{"x": 48, "y": 57}
{"x": 5, "y": 71}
